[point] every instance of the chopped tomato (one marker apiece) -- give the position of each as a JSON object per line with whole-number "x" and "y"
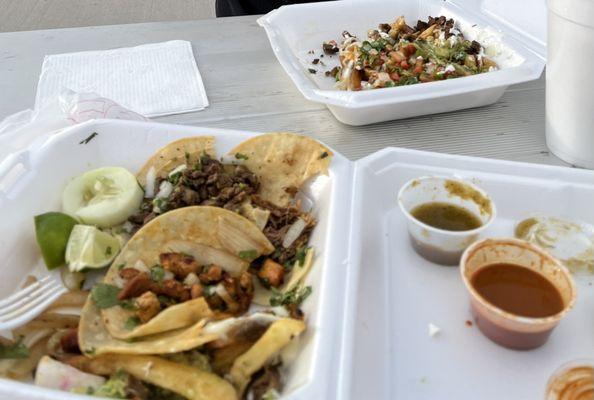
{"x": 418, "y": 66}
{"x": 394, "y": 76}
{"x": 404, "y": 65}
{"x": 409, "y": 49}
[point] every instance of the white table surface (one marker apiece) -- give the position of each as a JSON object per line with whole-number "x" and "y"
{"x": 248, "y": 89}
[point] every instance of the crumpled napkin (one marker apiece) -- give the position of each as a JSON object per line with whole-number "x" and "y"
{"x": 153, "y": 79}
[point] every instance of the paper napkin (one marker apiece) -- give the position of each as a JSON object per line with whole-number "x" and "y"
{"x": 152, "y": 79}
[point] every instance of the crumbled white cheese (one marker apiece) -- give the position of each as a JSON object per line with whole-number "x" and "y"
{"x": 434, "y": 330}
{"x": 492, "y": 42}
{"x": 449, "y": 68}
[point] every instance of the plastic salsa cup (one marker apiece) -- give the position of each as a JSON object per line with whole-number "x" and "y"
{"x": 439, "y": 245}
{"x": 504, "y": 328}
{"x": 573, "y": 380}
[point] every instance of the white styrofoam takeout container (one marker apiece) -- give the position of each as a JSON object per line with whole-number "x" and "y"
{"x": 32, "y": 181}
{"x": 295, "y": 30}
{"x": 373, "y": 295}
{"x": 393, "y": 294}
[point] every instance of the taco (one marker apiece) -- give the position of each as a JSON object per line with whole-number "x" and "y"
{"x": 283, "y": 162}
{"x": 167, "y": 158}
{"x": 134, "y": 376}
{"x": 258, "y": 179}
{"x": 161, "y": 278}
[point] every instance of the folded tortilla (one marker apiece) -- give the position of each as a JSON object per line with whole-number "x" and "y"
{"x": 190, "y": 382}
{"x": 195, "y": 230}
{"x": 174, "y": 154}
{"x": 282, "y": 161}
{"x": 94, "y": 338}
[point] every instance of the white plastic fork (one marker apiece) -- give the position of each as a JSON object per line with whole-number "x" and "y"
{"x": 27, "y": 303}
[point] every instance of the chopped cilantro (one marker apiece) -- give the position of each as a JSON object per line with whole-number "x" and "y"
{"x": 89, "y": 138}
{"x": 121, "y": 266}
{"x": 241, "y": 156}
{"x": 165, "y": 300}
{"x": 174, "y": 178}
{"x": 294, "y": 296}
{"x": 108, "y": 251}
{"x": 157, "y": 273}
{"x": 160, "y": 204}
{"x": 13, "y": 351}
{"x": 248, "y": 255}
{"x": 105, "y": 295}
{"x": 300, "y": 255}
{"x": 187, "y": 155}
{"x": 324, "y": 155}
{"x": 312, "y": 71}
{"x": 132, "y": 323}
{"x": 128, "y": 304}
{"x": 209, "y": 290}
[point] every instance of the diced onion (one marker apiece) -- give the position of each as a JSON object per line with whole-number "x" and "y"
{"x": 179, "y": 168}
{"x": 191, "y": 279}
{"x": 294, "y": 232}
{"x": 141, "y": 266}
{"x": 151, "y": 177}
{"x": 165, "y": 189}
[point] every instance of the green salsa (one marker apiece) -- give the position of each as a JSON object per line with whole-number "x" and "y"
{"x": 446, "y": 216}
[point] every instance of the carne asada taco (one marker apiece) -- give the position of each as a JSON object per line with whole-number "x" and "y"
{"x": 159, "y": 280}
{"x": 283, "y": 162}
{"x": 167, "y": 158}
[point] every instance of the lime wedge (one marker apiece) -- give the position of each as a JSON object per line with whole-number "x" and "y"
{"x": 52, "y": 231}
{"x": 88, "y": 247}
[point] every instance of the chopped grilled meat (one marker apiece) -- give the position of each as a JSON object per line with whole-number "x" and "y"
{"x": 129, "y": 273}
{"x": 330, "y": 47}
{"x": 266, "y": 379}
{"x": 271, "y": 273}
{"x": 475, "y": 48}
{"x": 208, "y": 183}
{"x": 279, "y": 221}
{"x": 294, "y": 311}
{"x": 148, "y": 306}
{"x": 241, "y": 291}
{"x": 69, "y": 342}
{"x": 196, "y": 291}
{"x": 235, "y": 296}
{"x": 136, "y": 286}
{"x": 136, "y": 389}
{"x": 180, "y": 264}
{"x": 212, "y": 274}
{"x": 174, "y": 289}
{"x": 384, "y": 28}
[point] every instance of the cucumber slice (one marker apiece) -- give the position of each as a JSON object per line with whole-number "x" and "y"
{"x": 103, "y": 197}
